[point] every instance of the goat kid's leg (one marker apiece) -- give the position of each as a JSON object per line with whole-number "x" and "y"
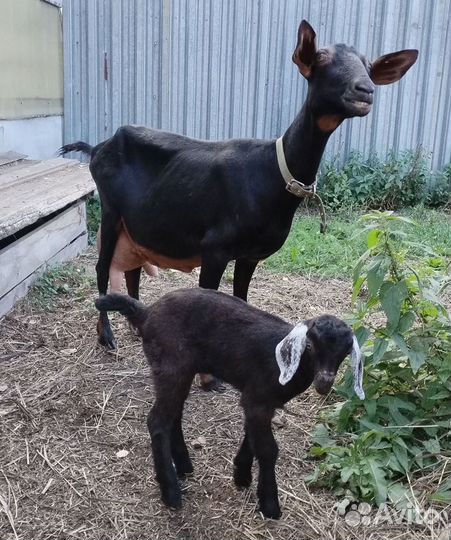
{"x": 211, "y": 271}
{"x": 180, "y": 454}
{"x": 132, "y": 278}
{"x": 108, "y": 234}
{"x": 242, "y": 464}
{"x": 159, "y": 424}
{"x": 244, "y": 270}
{"x": 165, "y": 414}
{"x": 264, "y": 447}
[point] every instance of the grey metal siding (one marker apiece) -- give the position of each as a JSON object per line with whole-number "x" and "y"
{"x": 218, "y": 69}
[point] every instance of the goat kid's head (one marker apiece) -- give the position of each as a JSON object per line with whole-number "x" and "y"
{"x": 323, "y": 343}
{"x": 341, "y": 80}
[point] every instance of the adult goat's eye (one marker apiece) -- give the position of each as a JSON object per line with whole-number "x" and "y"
{"x": 322, "y": 57}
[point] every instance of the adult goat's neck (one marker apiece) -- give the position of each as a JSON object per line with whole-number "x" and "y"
{"x": 304, "y": 143}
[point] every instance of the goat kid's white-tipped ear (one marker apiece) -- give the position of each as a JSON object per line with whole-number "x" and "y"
{"x": 289, "y": 352}
{"x": 357, "y": 368}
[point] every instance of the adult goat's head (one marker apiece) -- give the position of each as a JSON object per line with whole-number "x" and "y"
{"x": 322, "y": 343}
{"x": 341, "y": 80}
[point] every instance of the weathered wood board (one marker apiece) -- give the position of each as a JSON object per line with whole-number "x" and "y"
{"x": 35, "y": 191}
{"x": 23, "y": 261}
{"x": 42, "y": 221}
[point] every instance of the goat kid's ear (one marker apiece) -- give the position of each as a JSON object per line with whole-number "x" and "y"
{"x": 289, "y": 352}
{"x": 391, "y": 67}
{"x": 305, "y": 52}
{"x": 357, "y": 368}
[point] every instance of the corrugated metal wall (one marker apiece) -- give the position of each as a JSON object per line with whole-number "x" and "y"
{"x": 218, "y": 69}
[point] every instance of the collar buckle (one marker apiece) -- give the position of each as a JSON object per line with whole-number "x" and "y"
{"x": 301, "y": 190}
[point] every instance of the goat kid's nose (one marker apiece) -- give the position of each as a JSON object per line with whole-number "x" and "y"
{"x": 323, "y": 381}
{"x": 365, "y": 86}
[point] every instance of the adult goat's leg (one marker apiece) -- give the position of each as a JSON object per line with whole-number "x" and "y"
{"x": 132, "y": 278}
{"x": 242, "y": 464}
{"x": 108, "y": 235}
{"x": 264, "y": 447}
{"x": 211, "y": 271}
{"x": 244, "y": 269}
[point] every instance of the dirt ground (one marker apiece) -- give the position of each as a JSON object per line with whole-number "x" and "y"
{"x": 67, "y": 408}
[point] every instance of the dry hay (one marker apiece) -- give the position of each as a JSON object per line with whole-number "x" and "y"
{"x": 67, "y": 407}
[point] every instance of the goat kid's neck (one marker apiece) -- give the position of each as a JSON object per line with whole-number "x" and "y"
{"x": 304, "y": 143}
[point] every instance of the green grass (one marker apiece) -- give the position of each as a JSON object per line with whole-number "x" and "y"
{"x": 93, "y": 213}
{"x": 62, "y": 280}
{"x": 335, "y": 253}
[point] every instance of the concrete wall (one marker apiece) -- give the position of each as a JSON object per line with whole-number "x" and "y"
{"x": 38, "y": 138}
{"x": 31, "y": 78}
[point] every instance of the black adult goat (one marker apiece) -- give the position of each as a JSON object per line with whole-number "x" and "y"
{"x": 188, "y": 203}
{"x": 192, "y": 331}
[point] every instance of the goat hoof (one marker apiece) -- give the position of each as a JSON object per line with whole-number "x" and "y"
{"x": 172, "y": 497}
{"x": 270, "y": 509}
{"x": 242, "y": 479}
{"x": 214, "y": 385}
{"x": 184, "y": 469}
{"x": 134, "y": 330}
{"x": 108, "y": 342}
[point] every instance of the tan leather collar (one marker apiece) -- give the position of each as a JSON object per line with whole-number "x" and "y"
{"x": 293, "y": 186}
{"x": 298, "y": 188}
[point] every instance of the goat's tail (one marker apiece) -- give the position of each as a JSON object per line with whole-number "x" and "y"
{"x": 79, "y": 146}
{"x": 134, "y": 310}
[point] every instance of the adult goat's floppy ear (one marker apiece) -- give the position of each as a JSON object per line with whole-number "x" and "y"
{"x": 289, "y": 352}
{"x": 357, "y": 368}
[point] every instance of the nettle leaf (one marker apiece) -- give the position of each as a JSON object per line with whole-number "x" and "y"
{"x": 356, "y": 288}
{"x": 376, "y": 472}
{"x": 417, "y": 353}
{"x": 376, "y": 273}
{"x": 347, "y": 472}
{"x": 399, "y": 340}
{"x": 399, "y": 495}
{"x": 392, "y": 296}
{"x": 379, "y": 349}
{"x": 373, "y": 238}
{"x": 362, "y": 333}
{"x": 406, "y": 322}
{"x": 321, "y": 436}
{"x": 359, "y": 265}
{"x": 432, "y": 446}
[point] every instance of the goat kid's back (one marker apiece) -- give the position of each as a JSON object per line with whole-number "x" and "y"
{"x": 205, "y": 332}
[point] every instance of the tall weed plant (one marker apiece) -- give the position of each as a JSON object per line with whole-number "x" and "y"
{"x": 373, "y": 450}
{"x": 390, "y": 184}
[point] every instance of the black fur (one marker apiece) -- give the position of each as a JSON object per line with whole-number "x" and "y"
{"x": 200, "y": 331}
{"x": 225, "y": 201}
{"x": 79, "y": 146}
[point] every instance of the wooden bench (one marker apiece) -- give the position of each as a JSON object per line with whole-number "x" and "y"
{"x": 42, "y": 220}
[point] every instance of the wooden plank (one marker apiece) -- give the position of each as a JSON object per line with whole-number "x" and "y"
{"x": 24, "y": 203}
{"x": 13, "y": 176}
{"x": 23, "y": 257}
{"x": 10, "y": 157}
{"x": 68, "y": 252}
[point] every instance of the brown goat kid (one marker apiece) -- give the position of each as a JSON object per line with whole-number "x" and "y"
{"x": 270, "y": 361}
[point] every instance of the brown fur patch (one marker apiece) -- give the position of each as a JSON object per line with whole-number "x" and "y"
{"x": 329, "y": 122}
